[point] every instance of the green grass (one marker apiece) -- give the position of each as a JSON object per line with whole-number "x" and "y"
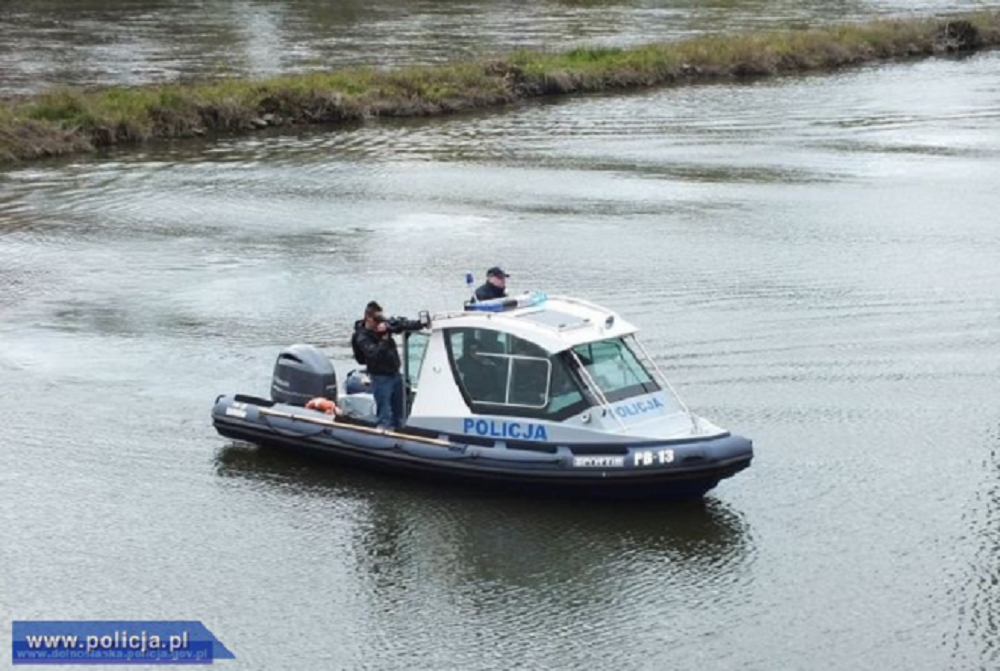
{"x": 66, "y": 120}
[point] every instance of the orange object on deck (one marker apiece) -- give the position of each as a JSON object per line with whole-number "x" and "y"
{"x": 323, "y": 405}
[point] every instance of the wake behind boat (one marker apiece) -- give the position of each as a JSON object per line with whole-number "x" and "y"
{"x": 549, "y": 394}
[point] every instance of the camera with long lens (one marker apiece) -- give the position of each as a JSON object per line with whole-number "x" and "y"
{"x": 404, "y": 324}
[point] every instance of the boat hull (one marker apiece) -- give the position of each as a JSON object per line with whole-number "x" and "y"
{"x": 696, "y": 466}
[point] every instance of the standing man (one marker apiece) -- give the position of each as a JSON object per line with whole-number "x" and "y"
{"x": 374, "y": 339}
{"x": 495, "y": 285}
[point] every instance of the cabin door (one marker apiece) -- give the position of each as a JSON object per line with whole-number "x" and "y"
{"x": 414, "y": 349}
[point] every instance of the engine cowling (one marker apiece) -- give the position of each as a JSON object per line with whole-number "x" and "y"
{"x": 301, "y": 373}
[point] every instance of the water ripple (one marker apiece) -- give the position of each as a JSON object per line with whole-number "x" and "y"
{"x": 976, "y": 643}
{"x": 822, "y": 287}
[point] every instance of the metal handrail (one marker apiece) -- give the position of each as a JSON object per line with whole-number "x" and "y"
{"x": 359, "y": 429}
{"x": 665, "y": 382}
{"x": 584, "y": 303}
{"x": 594, "y": 389}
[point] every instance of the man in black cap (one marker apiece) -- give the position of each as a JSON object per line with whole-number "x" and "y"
{"x": 373, "y": 342}
{"x": 495, "y": 285}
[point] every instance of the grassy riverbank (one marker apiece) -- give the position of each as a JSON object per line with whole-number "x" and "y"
{"x": 67, "y": 120}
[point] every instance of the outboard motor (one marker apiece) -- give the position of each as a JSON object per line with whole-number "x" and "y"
{"x": 301, "y": 373}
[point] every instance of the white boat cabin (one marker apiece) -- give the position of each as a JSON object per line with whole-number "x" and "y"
{"x": 546, "y": 369}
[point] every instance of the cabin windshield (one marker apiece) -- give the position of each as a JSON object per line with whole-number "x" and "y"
{"x": 616, "y": 368}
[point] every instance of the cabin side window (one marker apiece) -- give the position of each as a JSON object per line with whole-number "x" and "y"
{"x": 501, "y": 374}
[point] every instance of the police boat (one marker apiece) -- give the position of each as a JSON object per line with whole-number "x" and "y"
{"x": 554, "y": 395}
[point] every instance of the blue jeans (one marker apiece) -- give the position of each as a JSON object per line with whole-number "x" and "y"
{"x": 388, "y": 391}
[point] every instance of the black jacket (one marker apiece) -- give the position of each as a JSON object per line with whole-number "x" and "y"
{"x": 381, "y": 355}
{"x": 488, "y": 292}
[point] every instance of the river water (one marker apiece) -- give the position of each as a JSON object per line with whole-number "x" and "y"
{"x": 44, "y": 43}
{"x": 814, "y": 260}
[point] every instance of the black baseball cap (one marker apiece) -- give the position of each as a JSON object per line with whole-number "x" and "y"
{"x": 496, "y": 271}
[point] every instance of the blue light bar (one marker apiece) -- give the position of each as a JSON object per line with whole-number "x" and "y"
{"x": 526, "y": 300}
